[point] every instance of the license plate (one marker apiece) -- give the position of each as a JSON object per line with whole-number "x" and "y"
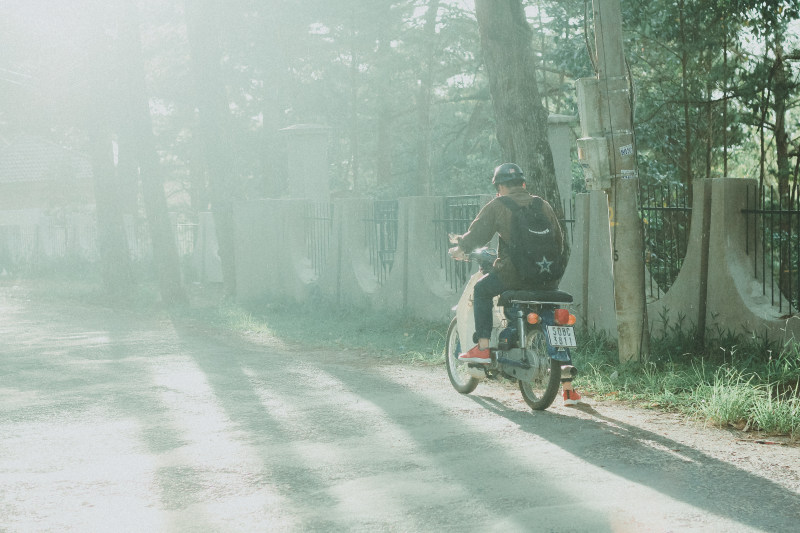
{"x": 561, "y": 336}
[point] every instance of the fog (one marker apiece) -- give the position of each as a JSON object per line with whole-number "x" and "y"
{"x": 121, "y": 123}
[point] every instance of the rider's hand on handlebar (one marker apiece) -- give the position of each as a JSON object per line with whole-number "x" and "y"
{"x": 457, "y": 253}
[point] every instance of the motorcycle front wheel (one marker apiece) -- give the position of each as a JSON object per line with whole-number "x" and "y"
{"x": 541, "y": 391}
{"x": 457, "y": 371}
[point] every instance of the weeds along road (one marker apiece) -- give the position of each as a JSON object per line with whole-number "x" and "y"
{"x": 113, "y": 421}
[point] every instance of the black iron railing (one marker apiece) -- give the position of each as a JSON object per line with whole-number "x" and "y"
{"x": 666, "y": 217}
{"x": 453, "y": 216}
{"x": 185, "y": 238}
{"x": 568, "y": 222}
{"x": 381, "y": 234}
{"x": 319, "y": 219}
{"x": 772, "y": 227}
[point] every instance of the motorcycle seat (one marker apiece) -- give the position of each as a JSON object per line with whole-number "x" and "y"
{"x": 543, "y": 296}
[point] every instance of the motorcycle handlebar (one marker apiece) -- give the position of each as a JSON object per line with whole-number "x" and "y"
{"x": 484, "y": 257}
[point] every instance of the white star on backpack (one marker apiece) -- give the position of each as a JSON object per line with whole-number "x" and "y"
{"x": 544, "y": 265}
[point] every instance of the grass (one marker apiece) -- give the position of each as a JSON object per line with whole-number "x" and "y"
{"x": 319, "y": 325}
{"x": 728, "y": 380}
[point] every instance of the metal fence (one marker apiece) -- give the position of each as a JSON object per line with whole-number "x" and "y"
{"x": 319, "y": 219}
{"x": 568, "y": 222}
{"x": 381, "y": 234}
{"x": 773, "y": 243}
{"x": 452, "y": 217}
{"x": 666, "y": 217}
{"x": 186, "y": 237}
{"x": 31, "y": 246}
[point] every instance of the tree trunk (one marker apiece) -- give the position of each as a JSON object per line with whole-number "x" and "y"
{"x": 201, "y": 17}
{"x": 709, "y": 107}
{"x": 781, "y": 97}
{"x": 277, "y": 34}
{"x": 762, "y": 138}
{"x": 111, "y": 240}
{"x": 98, "y": 104}
{"x": 383, "y": 148}
{"x": 136, "y": 134}
{"x": 383, "y": 177}
{"x": 422, "y": 183}
{"x": 687, "y": 127}
{"x": 521, "y": 120}
{"x": 725, "y": 103}
{"x": 354, "y": 101}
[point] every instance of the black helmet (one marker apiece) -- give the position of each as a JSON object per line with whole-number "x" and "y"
{"x": 507, "y": 172}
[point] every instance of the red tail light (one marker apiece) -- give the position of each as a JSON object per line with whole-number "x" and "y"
{"x": 562, "y": 317}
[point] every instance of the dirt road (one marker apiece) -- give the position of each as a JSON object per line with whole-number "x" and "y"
{"x": 111, "y": 421}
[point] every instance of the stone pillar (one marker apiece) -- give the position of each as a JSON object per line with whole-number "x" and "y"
{"x": 559, "y": 137}
{"x": 307, "y": 148}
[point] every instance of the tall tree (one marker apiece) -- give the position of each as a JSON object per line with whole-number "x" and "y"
{"x": 422, "y": 183}
{"x": 112, "y": 245}
{"x": 77, "y": 83}
{"x": 521, "y": 119}
{"x": 202, "y": 17}
{"x": 136, "y": 135}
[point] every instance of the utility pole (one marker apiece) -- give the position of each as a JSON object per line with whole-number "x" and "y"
{"x": 608, "y": 155}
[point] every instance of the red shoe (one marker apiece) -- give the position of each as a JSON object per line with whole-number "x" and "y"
{"x": 476, "y": 355}
{"x": 571, "y": 397}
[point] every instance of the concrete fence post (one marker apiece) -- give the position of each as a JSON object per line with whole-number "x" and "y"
{"x": 686, "y": 298}
{"x": 589, "y": 274}
{"x": 425, "y": 290}
{"x": 737, "y": 301}
{"x": 348, "y": 277}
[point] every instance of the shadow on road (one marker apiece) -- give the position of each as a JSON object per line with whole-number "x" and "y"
{"x": 669, "y": 467}
{"x": 339, "y": 442}
{"x": 402, "y": 450}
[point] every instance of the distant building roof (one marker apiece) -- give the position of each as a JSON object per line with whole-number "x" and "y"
{"x": 31, "y": 159}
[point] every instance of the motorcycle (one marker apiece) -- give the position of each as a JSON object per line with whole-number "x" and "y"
{"x": 532, "y": 334}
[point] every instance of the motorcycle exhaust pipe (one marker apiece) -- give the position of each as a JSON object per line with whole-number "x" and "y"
{"x": 568, "y": 372}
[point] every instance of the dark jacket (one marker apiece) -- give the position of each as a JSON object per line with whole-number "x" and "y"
{"x": 495, "y": 217}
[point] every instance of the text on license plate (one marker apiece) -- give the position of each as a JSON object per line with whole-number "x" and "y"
{"x": 561, "y": 336}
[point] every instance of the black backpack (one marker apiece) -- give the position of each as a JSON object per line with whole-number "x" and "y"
{"x": 534, "y": 247}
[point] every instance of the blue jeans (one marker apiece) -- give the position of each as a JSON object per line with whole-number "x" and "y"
{"x": 483, "y": 295}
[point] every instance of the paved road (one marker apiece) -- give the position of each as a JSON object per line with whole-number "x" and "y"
{"x": 112, "y": 421}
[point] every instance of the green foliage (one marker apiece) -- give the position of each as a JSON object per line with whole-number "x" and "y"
{"x": 728, "y": 381}
{"x": 777, "y": 416}
{"x": 705, "y": 78}
{"x": 323, "y": 325}
{"x": 729, "y": 399}
{"x": 358, "y": 67}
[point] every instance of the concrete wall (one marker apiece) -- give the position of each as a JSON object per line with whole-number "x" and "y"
{"x": 588, "y": 276}
{"x": 717, "y": 288}
{"x": 272, "y": 258}
{"x": 736, "y": 299}
{"x": 686, "y": 298}
{"x": 716, "y": 285}
{"x": 205, "y": 259}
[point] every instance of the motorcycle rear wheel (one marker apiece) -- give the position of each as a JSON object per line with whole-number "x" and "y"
{"x": 457, "y": 371}
{"x": 540, "y": 393}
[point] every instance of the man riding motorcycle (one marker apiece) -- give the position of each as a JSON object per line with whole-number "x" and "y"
{"x": 496, "y": 218}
